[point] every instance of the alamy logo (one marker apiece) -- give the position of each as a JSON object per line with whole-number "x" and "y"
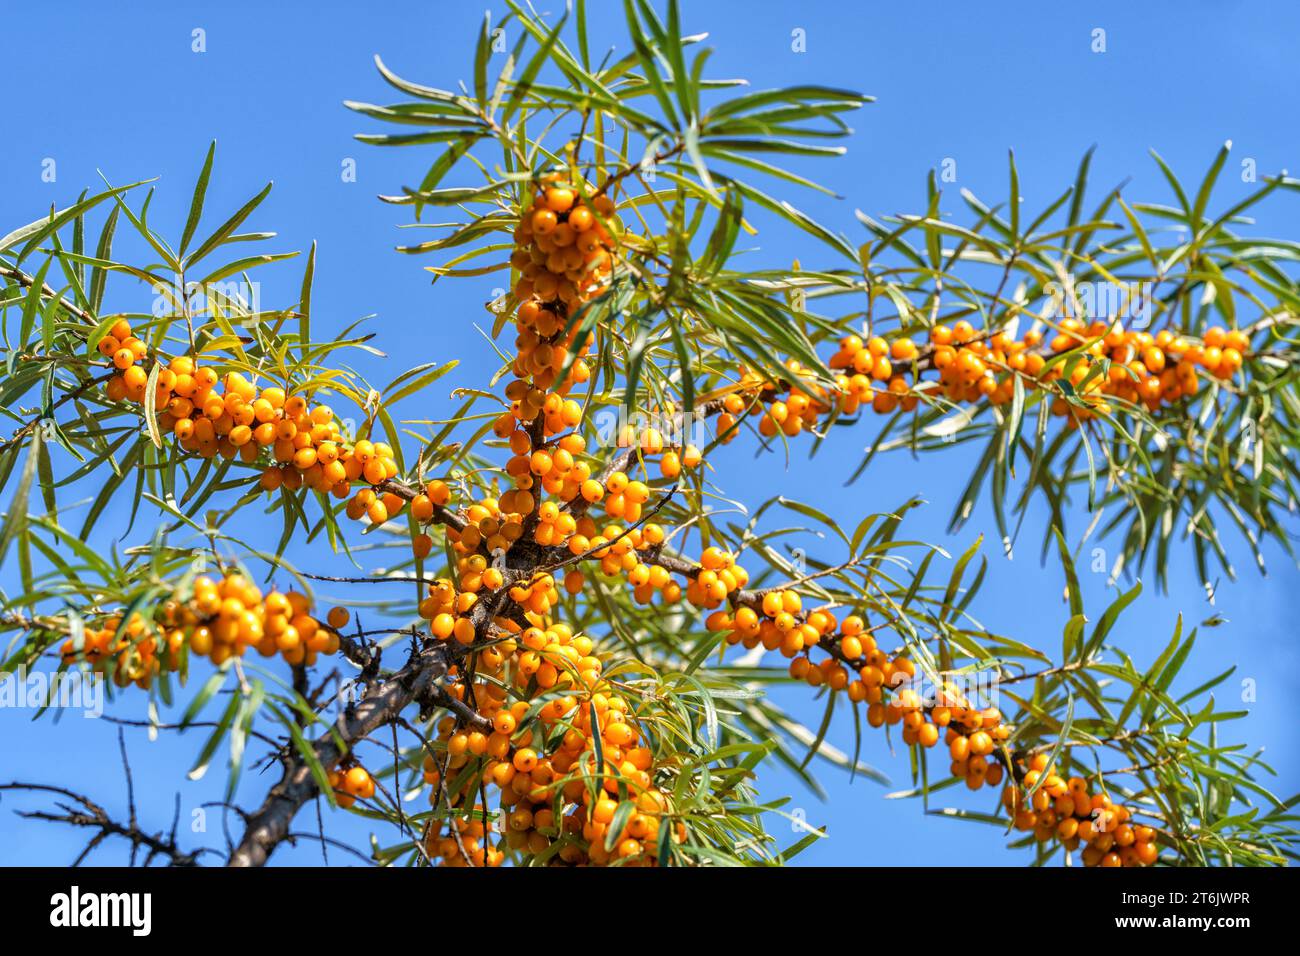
{"x": 72, "y": 689}
{"x": 1129, "y": 301}
{"x": 73, "y": 909}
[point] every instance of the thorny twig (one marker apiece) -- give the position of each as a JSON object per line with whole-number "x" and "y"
{"x": 92, "y": 816}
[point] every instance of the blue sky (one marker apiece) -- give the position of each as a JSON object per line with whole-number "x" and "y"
{"x": 123, "y": 92}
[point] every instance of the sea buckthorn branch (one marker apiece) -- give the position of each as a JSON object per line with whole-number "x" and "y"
{"x": 383, "y": 702}
{"x": 304, "y": 442}
{"x": 1179, "y": 364}
{"x": 217, "y": 433}
{"x": 204, "y": 618}
{"x": 1107, "y": 838}
{"x": 27, "y": 281}
{"x": 1113, "y": 264}
{"x": 269, "y": 825}
{"x": 536, "y": 719}
{"x": 1056, "y": 810}
{"x": 1038, "y": 370}
{"x": 195, "y": 411}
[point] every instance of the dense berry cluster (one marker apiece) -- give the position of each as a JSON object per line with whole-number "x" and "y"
{"x": 1067, "y": 811}
{"x": 231, "y": 417}
{"x": 564, "y": 255}
{"x": 564, "y": 258}
{"x": 540, "y": 752}
{"x": 130, "y": 654}
{"x": 1130, "y": 365}
{"x": 1141, "y": 368}
{"x": 217, "y": 619}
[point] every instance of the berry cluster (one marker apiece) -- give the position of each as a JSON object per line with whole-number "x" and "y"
{"x": 558, "y": 787}
{"x": 230, "y": 417}
{"x": 778, "y": 623}
{"x": 218, "y": 620}
{"x": 634, "y": 554}
{"x": 351, "y": 784}
{"x": 556, "y": 780}
{"x": 130, "y": 652}
{"x": 886, "y": 375}
{"x": 799, "y": 410}
{"x": 553, "y": 466}
{"x": 224, "y": 618}
{"x": 975, "y": 736}
{"x": 1067, "y": 811}
{"x": 1142, "y": 368}
{"x": 564, "y": 254}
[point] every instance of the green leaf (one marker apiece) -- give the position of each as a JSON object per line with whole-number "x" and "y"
{"x": 1072, "y": 592}
{"x": 525, "y": 81}
{"x": 416, "y": 379}
{"x": 1207, "y": 186}
{"x": 482, "y": 52}
{"x": 622, "y": 813}
{"x": 216, "y": 737}
{"x": 99, "y": 274}
{"x": 227, "y": 228}
{"x": 32, "y": 304}
{"x": 16, "y": 517}
{"x": 821, "y": 730}
{"x": 210, "y": 687}
{"x": 196, "y": 203}
{"x": 150, "y": 406}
